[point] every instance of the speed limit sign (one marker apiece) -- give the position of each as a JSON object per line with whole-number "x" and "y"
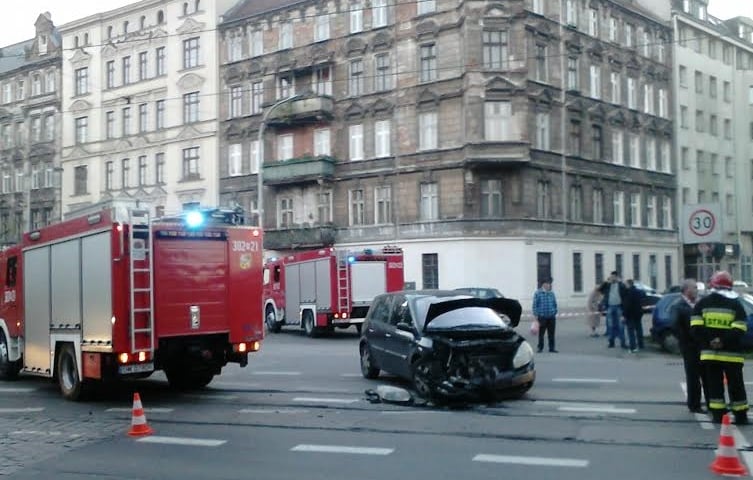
{"x": 702, "y": 224}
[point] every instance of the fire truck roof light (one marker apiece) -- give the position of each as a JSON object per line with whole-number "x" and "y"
{"x": 35, "y": 235}
{"x": 351, "y": 259}
{"x": 96, "y": 218}
{"x": 194, "y": 219}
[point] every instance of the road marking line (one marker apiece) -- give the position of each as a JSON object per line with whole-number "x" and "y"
{"x": 16, "y": 390}
{"x": 21, "y": 410}
{"x": 573, "y": 404}
{"x": 342, "y": 449}
{"x": 275, "y": 373}
{"x": 146, "y": 410}
{"x": 595, "y": 409}
{"x": 210, "y": 396}
{"x": 585, "y": 380}
{"x": 35, "y": 432}
{"x": 539, "y": 461}
{"x": 326, "y": 400}
{"x": 273, "y": 410}
{"x": 703, "y": 419}
{"x": 748, "y": 458}
{"x": 192, "y": 442}
{"x": 217, "y": 385}
{"x": 351, "y": 375}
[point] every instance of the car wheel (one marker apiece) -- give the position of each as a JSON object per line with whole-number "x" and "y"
{"x": 422, "y": 379}
{"x": 308, "y": 324}
{"x": 670, "y": 343}
{"x": 8, "y": 370}
{"x": 70, "y": 384}
{"x": 368, "y": 367}
{"x": 270, "y": 319}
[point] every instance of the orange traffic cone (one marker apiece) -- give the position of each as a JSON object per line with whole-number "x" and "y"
{"x": 139, "y": 427}
{"x": 727, "y": 460}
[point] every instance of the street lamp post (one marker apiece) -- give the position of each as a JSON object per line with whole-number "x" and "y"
{"x": 260, "y": 167}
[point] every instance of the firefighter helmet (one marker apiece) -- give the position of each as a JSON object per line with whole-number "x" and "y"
{"x": 721, "y": 279}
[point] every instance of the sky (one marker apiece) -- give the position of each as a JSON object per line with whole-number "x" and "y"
{"x": 18, "y": 16}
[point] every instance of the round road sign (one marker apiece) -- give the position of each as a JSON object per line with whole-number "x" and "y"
{"x": 702, "y": 222}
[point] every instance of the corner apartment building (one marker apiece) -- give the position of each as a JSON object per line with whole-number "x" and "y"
{"x": 497, "y": 143}
{"x": 140, "y": 98}
{"x": 713, "y": 76}
{"x": 29, "y": 132}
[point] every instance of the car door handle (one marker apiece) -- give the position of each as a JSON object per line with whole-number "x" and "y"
{"x": 370, "y": 330}
{"x": 388, "y": 335}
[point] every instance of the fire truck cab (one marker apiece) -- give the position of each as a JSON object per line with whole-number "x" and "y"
{"x": 115, "y": 294}
{"x": 329, "y": 287}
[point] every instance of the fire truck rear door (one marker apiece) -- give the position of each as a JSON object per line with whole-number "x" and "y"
{"x": 368, "y": 279}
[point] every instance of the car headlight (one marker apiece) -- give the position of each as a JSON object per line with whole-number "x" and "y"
{"x": 523, "y": 356}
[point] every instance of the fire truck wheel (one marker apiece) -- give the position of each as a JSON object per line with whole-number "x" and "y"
{"x": 270, "y": 318}
{"x": 308, "y": 324}
{"x": 188, "y": 380}
{"x": 71, "y": 385}
{"x": 8, "y": 369}
{"x": 368, "y": 368}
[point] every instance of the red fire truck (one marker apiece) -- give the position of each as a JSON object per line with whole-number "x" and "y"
{"x": 329, "y": 287}
{"x": 116, "y": 294}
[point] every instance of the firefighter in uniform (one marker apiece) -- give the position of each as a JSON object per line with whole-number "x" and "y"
{"x": 718, "y": 325}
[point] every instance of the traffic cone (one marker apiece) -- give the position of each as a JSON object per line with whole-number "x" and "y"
{"x": 727, "y": 461}
{"x": 139, "y": 427}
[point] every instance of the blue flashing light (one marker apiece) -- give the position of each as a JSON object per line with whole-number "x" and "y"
{"x": 368, "y": 251}
{"x": 351, "y": 259}
{"x": 194, "y": 219}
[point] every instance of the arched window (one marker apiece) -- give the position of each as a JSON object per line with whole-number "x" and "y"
{"x": 125, "y": 27}
{"x": 142, "y": 22}
{"x": 185, "y": 8}
{"x": 160, "y": 17}
{"x": 196, "y": 6}
{"x": 109, "y": 32}
{"x": 75, "y": 41}
{"x": 86, "y": 39}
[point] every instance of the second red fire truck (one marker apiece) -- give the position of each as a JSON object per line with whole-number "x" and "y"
{"x": 114, "y": 294}
{"x": 329, "y": 287}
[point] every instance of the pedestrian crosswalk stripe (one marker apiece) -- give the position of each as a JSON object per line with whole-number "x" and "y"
{"x": 342, "y": 449}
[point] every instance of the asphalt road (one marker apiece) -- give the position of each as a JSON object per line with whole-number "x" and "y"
{"x": 299, "y": 411}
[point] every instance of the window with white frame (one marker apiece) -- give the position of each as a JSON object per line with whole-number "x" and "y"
{"x": 497, "y": 121}
{"x": 236, "y": 101}
{"x": 324, "y": 206}
{"x": 82, "y": 81}
{"x": 382, "y": 204}
{"x": 538, "y": 7}
{"x": 321, "y": 32}
{"x": 635, "y": 209}
{"x": 651, "y": 213}
{"x": 49, "y": 82}
{"x": 491, "y": 198}
{"x": 356, "y": 210}
{"x": 285, "y": 85}
{"x": 20, "y": 180}
{"x": 321, "y": 142}
{"x": 159, "y": 168}
{"x": 81, "y": 180}
{"x": 665, "y": 157}
{"x": 593, "y": 22}
{"x": 543, "y": 122}
{"x": 428, "y": 63}
{"x": 285, "y": 211}
{"x": 190, "y": 163}
{"x": 595, "y": 81}
{"x": 234, "y": 45}
{"x": 650, "y": 153}
{"x": 143, "y": 66}
{"x": 612, "y": 29}
{"x": 7, "y": 93}
{"x": 143, "y": 116}
{"x": 427, "y": 131}
{"x": 36, "y": 85}
{"x": 572, "y": 73}
{"x": 235, "y": 159}
{"x": 191, "y": 107}
{"x": 257, "y": 43}
{"x": 576, "y": 203}
{"x": 541, "y": 70}
{"x": 285, "y": 39}
{"x": 543, "y": 201}
{"x": 355, "y": 78}
{"x": 191, "y": 53}
{"x": 571, "y": 13}
{"x": 618, "y": 199}
{"x": 646, "y": 44}
{"x": 634, "y": 146}
{"x": 254, "y": 153}
{"x": 109, "y": 175}
{"x": 382, "y": 138}
{"x": 426, "y": 6}
{"x": 494, "y": 48}
{"x": 285, "y": 147}
{"x": 142, "y": 171}
{"x": 160, "y": 62}
{"x": 378, "y": 13}
{"x": 49, "y": 127}
{"x": 597, "y": 205}
{"x": 615, "y": 81}
{"x": 36, "y": 129}
{"x": 618, "y": 142}
{"x": 663, "y": 103}
{"x": 666, "y": 212}
{"x": 629, "y": 35}
{"x": 429, "y": 201}
{"x": 81, "y": 127}
{"x": 632, "y": 93}
{"x": 322, "y": 80}
{"x": 7, "y": 183}
{"x": 356, "y": 17}
{"x": 383, "y": 70}
{"x": 159, "y": 115}
{"x": 648, "y": 98}
{"x": 20, "y": 90}
{"x": 355, "y": 143}
{"x": 257, "y": 97}
{"x": 125, "y": 173}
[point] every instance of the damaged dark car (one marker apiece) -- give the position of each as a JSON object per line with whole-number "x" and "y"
{"x": 450, "y": 345}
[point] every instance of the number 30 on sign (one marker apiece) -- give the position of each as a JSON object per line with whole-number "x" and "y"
{"x": 702, "y": 222}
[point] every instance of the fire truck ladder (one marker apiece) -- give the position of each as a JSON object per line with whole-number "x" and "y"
{"x": 343, "y": 282}
{"x": 141, "y": 262}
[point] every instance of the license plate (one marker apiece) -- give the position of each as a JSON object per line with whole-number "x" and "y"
{"x": 136, "y": 368}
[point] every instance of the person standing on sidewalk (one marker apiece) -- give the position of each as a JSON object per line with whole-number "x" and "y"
{"x": 614, "y": 291}
{"x": 633, "y": 311}
{"x": 594, "y": 310}
{"x": 545, "y": 312}
{"x": 679, "y": 315}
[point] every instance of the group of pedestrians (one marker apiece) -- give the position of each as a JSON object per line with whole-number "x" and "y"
{"x": 622, "y": 305}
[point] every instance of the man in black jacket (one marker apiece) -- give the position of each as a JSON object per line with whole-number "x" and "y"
{"x": 680, "y": 313}
{"x": 632, "y": 308}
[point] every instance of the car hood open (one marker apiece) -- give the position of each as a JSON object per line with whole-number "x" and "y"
{"x": 506, "y": 306}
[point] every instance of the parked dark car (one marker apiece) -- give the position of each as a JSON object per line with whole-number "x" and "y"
{"x": 451, "y": 345}
{"x": 651, "y": 298}
{"x": 481, "y": 292}
{"x": 663, "y": 332}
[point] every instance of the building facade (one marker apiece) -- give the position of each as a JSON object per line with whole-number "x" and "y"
{"x": 498, "y": 143}
{"x": 29, "y": 132}
{"x": 140, "y": 101}
{"x": 713, "y": 78}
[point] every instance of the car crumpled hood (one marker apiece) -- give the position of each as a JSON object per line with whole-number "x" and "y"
{"x": 506, "y": 306}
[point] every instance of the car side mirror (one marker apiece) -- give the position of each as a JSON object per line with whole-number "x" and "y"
{"x": 406, "y": 327}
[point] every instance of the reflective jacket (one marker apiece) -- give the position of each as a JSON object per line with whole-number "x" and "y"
{"x": 719, "y": 315}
